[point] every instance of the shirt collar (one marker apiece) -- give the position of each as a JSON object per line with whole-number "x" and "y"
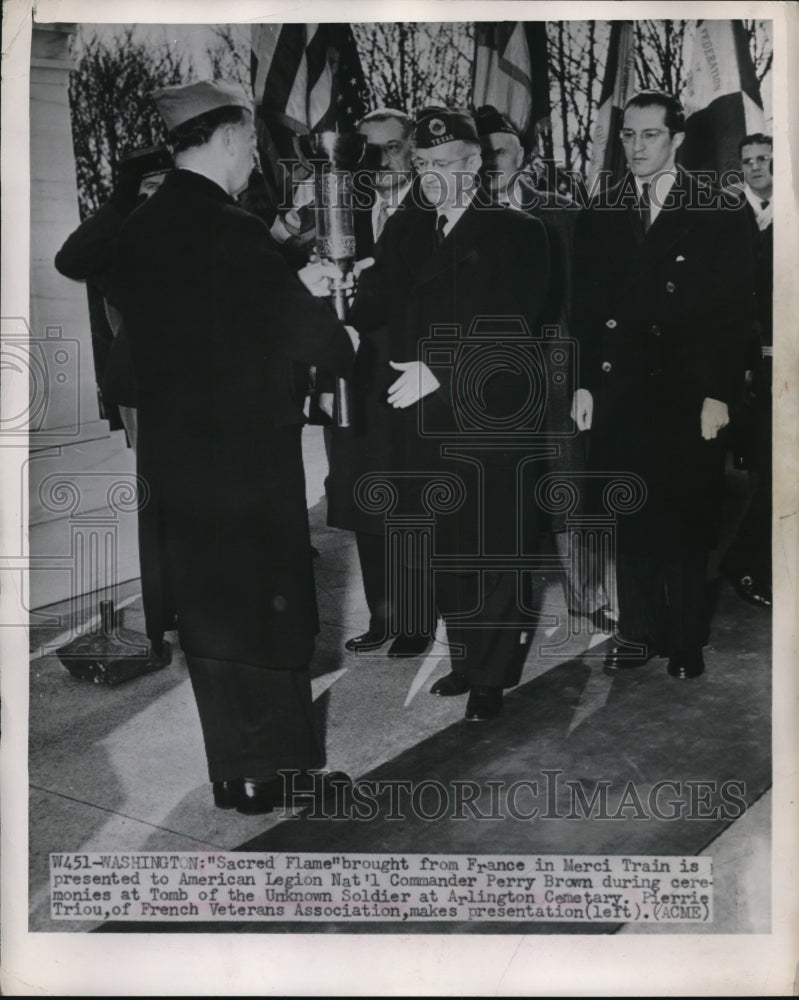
{"x": 452, "y": 215}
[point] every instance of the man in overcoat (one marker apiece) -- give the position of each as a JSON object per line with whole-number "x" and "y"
{"x": 450, "y": 258}
{"x": 503, "y": 158}
{"x": 382, "y": 184}
{"x": 663, "y": 304}
{"x": 220, "y": 329}
{"x": 748, "y": 560}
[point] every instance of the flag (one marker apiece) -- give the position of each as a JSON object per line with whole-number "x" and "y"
{"x": 306, "y": 78}
{"x": 607, "y": 154}
{"x": 722, "y": 98}
{"x": 510, "y": 72}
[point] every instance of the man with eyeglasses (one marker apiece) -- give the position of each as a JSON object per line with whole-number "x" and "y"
{"x": 383, "y": 183}
{"x": 453, "y": 256}
{"x": 748, "y": 561}
{"x": 663, "y": 304}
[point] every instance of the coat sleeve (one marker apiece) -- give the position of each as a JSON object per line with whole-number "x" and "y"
{"x": 298, "y": 326}
{"x": 726, "y": 315}
{"x": 88, "y": 252}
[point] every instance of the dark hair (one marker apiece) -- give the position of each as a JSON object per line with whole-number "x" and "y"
{"x": 757, "y": 138}
{"x": 197, "y": 131}
{"x": 389, "y": 115}
{"x": 675, "y": 116}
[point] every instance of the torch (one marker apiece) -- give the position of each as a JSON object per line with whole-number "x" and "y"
{"x": 335, "y": 228}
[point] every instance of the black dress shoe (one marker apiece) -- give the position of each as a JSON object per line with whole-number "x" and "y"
{"x": 687, "y": 664}
{"x": 226, "y": 793}
{"x": 373, "y": 639}
{"x": 484, "y": 703}
{"x": 452, "y": 684}
{"x": 259, "y": 797}
{"x": 753, "y": 591}
{"x": 408, "y": 646}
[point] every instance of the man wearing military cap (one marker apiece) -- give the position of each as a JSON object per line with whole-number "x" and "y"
{"x": 87, "y": 255}
{"x": 449, "y": 259}
{"x": 503, "y": 158}
{"x": 220, "y": 329}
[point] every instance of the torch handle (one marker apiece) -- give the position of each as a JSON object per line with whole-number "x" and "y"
{"x": 341, "y": 399}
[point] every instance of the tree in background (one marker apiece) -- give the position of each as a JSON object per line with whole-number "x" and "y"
{"x": 111, "y": 113}
{"x": 406, "y": 65}
{"x": 577, "y": 57}
{"x": 409, "y": 65}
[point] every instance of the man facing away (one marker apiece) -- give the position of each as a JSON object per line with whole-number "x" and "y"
{"x": 220, "y": 330}
{"x": 663, "y": 304}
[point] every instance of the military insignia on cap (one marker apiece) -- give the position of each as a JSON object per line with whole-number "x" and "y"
{"x": 436, "y": 126}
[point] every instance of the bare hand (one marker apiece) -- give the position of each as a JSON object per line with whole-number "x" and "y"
{"x": 715, "y": 416}
{"x": 582, "y": 411}
{"x": 415, "y": 382}
{"x": 317, "y": 276}
{"x": 361, "y": 265}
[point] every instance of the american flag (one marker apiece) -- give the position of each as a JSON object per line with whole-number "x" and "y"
{"x": 306, "y": 78}
{"x": 510, "y": 73}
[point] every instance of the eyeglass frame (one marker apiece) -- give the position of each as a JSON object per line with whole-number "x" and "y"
{"x": 654, "y": 133}
{"x": 437, "y": 164}
{"x": 761, "y": 158}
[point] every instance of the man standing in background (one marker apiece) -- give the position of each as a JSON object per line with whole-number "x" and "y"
{"x": 663, "y": 305}
{"x": 748, "y": 561}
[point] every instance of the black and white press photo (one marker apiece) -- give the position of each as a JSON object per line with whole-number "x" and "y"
{"x": 399, "y": 482}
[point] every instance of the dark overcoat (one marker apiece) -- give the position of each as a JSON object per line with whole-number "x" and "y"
{"x": 493, "y": 266}
{"x": 220, "y": 328}
{"x": 662, "y": 319}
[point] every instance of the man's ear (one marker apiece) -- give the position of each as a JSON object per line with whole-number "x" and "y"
{"x": 677, "y": 140}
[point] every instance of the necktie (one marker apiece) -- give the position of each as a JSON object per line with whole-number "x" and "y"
{"x": 643, "y": 207}
{"x": 765, "y": 204}
{"x": 381, "y": 220}
{"x": 440, "y": 224}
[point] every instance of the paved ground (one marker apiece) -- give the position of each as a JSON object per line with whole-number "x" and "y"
{"x": 123, "y": 768}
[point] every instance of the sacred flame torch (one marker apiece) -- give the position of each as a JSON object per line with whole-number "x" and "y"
{"x": 335, "y": 228}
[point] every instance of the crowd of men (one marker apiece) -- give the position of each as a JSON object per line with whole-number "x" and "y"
{"x": 470, "y": 286}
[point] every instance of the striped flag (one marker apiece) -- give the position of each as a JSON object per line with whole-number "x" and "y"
{"x": 722, "y": 98}
{"x": 510, "y": 72}
{"x": 306, "y": 78}
{"x": 618, "y": 86}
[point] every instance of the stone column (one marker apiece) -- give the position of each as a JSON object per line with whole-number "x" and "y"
{"x": 67, "y": 437}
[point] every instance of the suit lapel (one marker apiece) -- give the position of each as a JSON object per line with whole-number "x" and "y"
{"x": 460, "y": 244}
{"x": 672, "y": 221}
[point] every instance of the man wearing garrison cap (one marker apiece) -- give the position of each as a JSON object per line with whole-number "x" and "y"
{"x": 221, "y": 330}
{"x": 451, "y": 261}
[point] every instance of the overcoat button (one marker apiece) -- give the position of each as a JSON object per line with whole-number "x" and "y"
{"x": 655, "y": 330}
{"x": 606, "y": 366}
{"x": 611, "y": 324}
{"x": 670, "y": 286}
